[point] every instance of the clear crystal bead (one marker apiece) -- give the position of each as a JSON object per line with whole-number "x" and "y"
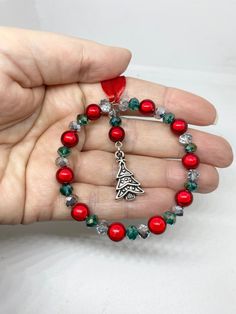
{"x": 74, "y": 126}
{"x": 71, "y": 200}
{"x": 102, "y": 227}
{"x": 113, "y": 112}
{"x": 185, "y": 138}
{"x": 193, "y": 174}
{"x": 124, "y": 104}
{"x": 143, "y": 231}
{"x": 105, "y": 105}
{"x": 178, "y": 210}
{"x": 62, "y": 162}
{"x": 159, "y": 112}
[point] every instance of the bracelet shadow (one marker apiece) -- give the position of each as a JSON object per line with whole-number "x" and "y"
{"x": 68, "y": 234}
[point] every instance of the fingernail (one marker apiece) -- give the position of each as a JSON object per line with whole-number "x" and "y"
{"x": 216, "y": 118}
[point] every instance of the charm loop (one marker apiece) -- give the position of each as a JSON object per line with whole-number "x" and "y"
{"x": 119, "y": 154}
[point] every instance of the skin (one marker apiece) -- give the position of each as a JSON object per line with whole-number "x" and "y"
{"x": 46, "y": 80}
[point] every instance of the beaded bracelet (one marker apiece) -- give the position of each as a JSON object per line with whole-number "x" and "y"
{"x": 127, "y": 186}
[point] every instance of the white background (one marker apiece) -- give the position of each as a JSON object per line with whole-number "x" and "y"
{"x": 191, "y": 269}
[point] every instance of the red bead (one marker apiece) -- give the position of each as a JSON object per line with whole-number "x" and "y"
{"x": 190, "y": 161}
{"x": 80, "y": 211}
{"x": 157, "y": 224}
{"x": 147, "y": 106}
{"x": 93, "y": 112}
{"x": 179, "y": 126}
{"x": 69, "y": 138}
{"x": 116, "y": 231}
{"x": 64, "y": 175}
{"x": 116, "y": 133}
{"x": 184, "y": 198}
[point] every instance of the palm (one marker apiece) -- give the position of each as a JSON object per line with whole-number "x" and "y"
{"x": 27, "y": 171}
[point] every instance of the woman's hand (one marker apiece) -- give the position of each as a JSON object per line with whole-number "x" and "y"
{"x": 46, "y": 80}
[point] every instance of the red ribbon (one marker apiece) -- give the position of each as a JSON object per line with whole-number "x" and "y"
{"x": 114, "y": 88}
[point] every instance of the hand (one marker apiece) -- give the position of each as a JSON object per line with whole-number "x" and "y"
{"x": 46, "y": 80}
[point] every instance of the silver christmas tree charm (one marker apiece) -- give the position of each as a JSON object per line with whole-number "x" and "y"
{"x": 127, "y": 186}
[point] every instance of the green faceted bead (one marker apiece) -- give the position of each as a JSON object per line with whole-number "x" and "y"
{"x": 92, "y": 220}
{"x": 132, "y": 232}
{"x": 191, "y": 186}
{"x": 168, "y": 118}
{"x": 115, "y": 121}
{"x": 63, "y": 151}
{"x": 134, "y": 104}
{"x": 190, "y": 148}
{"x": 82, "y": 119}
{"x": 169, "y": 217}
{"x": 66, "y": 189}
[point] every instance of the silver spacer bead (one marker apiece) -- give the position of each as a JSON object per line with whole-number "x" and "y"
{"x": 193, "y": 174}
{"x": 159, "y": 112}
{"x": 124, "y": 104}
{"x": 61, "y": 162}
{"x": 71, "y": 200}
{"x": 105, "y": 105}
{"x": 143, "y": 231}
{"x": 178, "y": 210}
{"x": 102, "y": 227}
{"x": 185, "y": 138}
{"x": 74, "y": 126}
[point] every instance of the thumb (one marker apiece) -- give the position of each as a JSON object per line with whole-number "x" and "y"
{"x": 41, "y": 58}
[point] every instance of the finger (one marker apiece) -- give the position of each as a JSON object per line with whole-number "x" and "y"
{"x": 101, "y": 201}
{"x": 155, "y": 139}
{"x": 150, "y": 172}
{"x": 34, "y": 58}
{"x": 194, "y": 109}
